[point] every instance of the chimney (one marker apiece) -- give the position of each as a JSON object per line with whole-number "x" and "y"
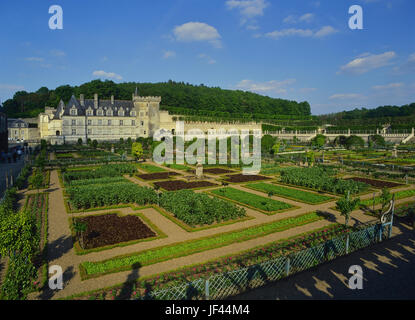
{"x": 112, "y": 100}
{"x": 96, "y": 100}
{"x": 82, "y": 100}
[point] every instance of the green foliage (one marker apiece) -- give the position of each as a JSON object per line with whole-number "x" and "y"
{"x": 354, "y": 142}
{"x": 80, "y": 141}
{"x": 346, "y": 205}
{"x": 295, "y": 194}
{"x": 385, "y": 198}
{"x": 319, "y": 141}
{"x": 152, "y": 256}
{"x": 198, "y": 208}
{"x": 267, "y": 142}
{"x": 178, "y": 98}
{"x": 93, "y": 196}
{"x": 18, "y": 280}
{"x": 137, "y": 150}
{"x": 110, "y": 170}
{"x": 251, "y": 199}
{"x": 320, "y": 178}
{"x": 36, "y": 180}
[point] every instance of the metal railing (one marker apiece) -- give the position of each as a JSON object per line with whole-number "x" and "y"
{"x": 223, "y": 285}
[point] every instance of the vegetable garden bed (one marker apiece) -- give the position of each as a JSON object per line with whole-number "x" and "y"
{"x": 265, "y": 205}
{"x": 376, "y": 183}
{"x": 176, "y": 185}
{"x": 238, "y": 178}
{"x": 149, "y": 168}
{"x": 152, "y": 256}
{"x": 157, "y": 175}
{"x": 289, "y": 193}
{"x": 109, "y": 229}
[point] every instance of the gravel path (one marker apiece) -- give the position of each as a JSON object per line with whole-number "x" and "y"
{"x": 61, "y": 252}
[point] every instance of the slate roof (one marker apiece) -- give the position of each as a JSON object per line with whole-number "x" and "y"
{"x": 104, "y": 105}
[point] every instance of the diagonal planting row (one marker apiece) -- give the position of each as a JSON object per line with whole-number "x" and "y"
{"x": 152, "y": 256}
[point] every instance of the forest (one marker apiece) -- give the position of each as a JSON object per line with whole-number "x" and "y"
{"x": 177, "y": 97}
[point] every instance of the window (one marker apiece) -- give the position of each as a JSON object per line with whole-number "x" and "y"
{"x": 89, "y": 113}
{"x": 109, "y": 113}
{"x": 121, "y": 122}
{"x": 145, "y": 132}
{"x": 73, "y": 112}
{"x": 89, "y": 122}
{"x": 142, "y": 123}
{"x": 100, "y": 122}
{"x": 133, "y": 122}
{"x": 133, "y": 113}
{"x": 89, "y": 131}
{"x": 73, "y": 122}
{"x": 109, "y": 122}
{"x": 73, "y": 132}
{"x": 99, "y": 112}
{"x": 121, "y": 113}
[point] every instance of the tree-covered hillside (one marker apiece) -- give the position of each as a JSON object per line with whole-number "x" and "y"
{"x": 177, "y": 97}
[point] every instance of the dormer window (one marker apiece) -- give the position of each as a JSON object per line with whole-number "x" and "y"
{"x": 121, "y": 112}
{"x": 73, "y": 112}
{"x": 109, "y": 113}
{"x": 89, "y": 112}
{"x": 99, "y": 112}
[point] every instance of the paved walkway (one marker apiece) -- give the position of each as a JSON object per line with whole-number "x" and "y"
{"x": 388, "y": 273}
{"x": 61, "y": 252}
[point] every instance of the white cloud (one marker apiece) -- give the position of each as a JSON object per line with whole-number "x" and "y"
{"x": 169, "y": 54}
{"x": 36, "y": 59}
{"x": 389, "y": 86}
{"x": 207, "y": 58}
{"x": 109, "y": 75}
{"x": 322, "y": 32}
{"x": 368, "y": 62}
{"x": 197, "y": 31}
{"x": 325, "y": 31}
{"x": 248, "y": 8}
{"x": 346, "y": 96}
{"x": 307, "y": 17}
{"x": 272, "y": 86}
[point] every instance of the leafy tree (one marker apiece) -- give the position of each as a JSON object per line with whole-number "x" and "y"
{"x": 377, "y": 140}
{"x": 345, "y": 205}
{"x": 354, "y": 142}
{"x": 80, "y": 142}
{"x": 137, "y": 150}
{"x": 276, "y": 147}
{"x": 36, "y": 180}
{"x": 319, "y": 141}
{"x": 267, "y": 143}
{"x": 95, "y": 144}
{"x": 310, "y": 158}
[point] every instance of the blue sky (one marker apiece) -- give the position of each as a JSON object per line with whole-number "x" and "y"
{"x": 298, "y": 49}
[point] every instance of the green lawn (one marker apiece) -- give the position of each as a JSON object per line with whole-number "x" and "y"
{"x": 149, "y": 168}
{"x": 253, "y": 200}
{"x": 398, "y": 195}
{"x": 294, "y": 194}
{"x": 177, "y": 167}
{"x": 156, "y": 255}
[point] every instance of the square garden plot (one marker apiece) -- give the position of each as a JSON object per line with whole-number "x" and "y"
{"x": 111, "y": 229}
{"x": 175, "y": 185}
{"x": 376, "y": 183}
{"x": 238, "y": 178}
{"x": 157, "y": 176}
